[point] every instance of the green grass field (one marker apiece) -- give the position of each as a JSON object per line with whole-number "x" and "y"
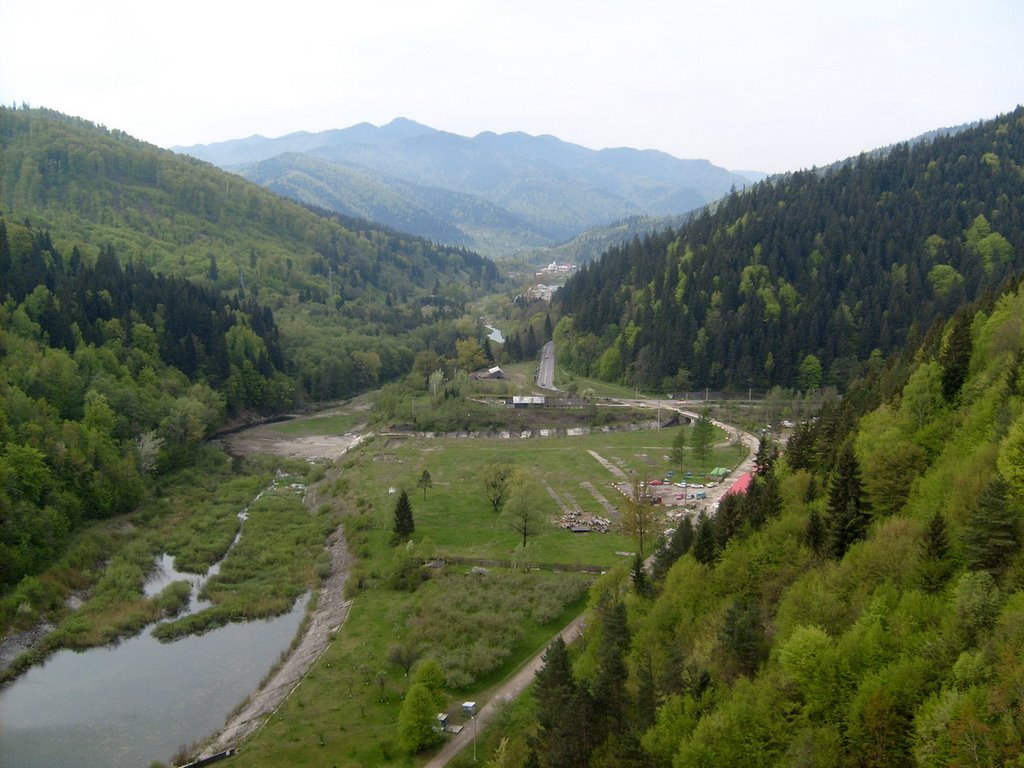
{"x": 346, "y": 711}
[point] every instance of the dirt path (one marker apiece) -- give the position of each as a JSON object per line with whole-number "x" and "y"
{"x": 332, "y": 608}
{"x": 331, "y": 612}
{"x": 508, "y": 690}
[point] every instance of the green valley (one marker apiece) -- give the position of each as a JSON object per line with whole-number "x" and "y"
{"x": 277, "y": 408}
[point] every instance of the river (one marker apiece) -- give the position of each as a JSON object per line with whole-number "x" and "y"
{"x": 139, "y": 700}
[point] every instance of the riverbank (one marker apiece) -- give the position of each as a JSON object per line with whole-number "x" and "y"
{"x": 331, "y": 609}
{"x": 17, "y": 643}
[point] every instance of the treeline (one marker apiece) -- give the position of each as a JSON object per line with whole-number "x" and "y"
{"x": 862, "y": 605}
{"x": 110, "y": 375}
{"x": 799, "y": 280}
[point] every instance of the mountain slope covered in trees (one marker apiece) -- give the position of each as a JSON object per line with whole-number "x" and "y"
{"x": 798, "y": 280}
{"x": 353, "y": 300}
{"x": 513, "y": 190}
{"x": 146, "y": 299}
{"x": 440, "y": 215}
{"x": 861, "y": 604}
{"x": 109, "y": 377}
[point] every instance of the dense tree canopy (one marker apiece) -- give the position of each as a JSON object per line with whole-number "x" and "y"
{"x": 797, "y": 280}
{"x": 799, "y": 627}
{"x": 353, "y": 300}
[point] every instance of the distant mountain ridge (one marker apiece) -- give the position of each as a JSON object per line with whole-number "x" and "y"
{"x": 498, "y": 193}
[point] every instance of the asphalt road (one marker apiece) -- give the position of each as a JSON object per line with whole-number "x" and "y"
{"x": 546, "y": 369}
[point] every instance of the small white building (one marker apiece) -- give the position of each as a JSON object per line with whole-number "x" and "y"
{"x": 489, "y": 373}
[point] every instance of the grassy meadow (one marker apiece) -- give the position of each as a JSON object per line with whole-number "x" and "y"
{"x": 480, "y": 627}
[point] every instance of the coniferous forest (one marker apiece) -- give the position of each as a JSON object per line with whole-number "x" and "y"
{"x": 802, "y": 279}
{"x": 859, "y": 605}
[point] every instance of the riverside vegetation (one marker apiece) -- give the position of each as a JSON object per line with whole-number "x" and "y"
{"x": 478, "y": 626}
{"x": 194, "y": 517}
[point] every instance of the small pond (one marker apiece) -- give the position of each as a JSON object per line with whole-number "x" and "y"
{"x": 139, "y": 700}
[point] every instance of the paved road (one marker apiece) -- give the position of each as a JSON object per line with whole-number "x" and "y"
{"x": 508, "y": 691}
{"x": 546, "y": 369}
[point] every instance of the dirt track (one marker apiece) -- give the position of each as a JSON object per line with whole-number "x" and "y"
{"x": 332, "y": 607}
{"x": 331, "y": 612}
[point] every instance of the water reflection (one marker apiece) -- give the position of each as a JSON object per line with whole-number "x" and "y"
{"x": 140, "y": 700}
{"x": 130, "y": 704}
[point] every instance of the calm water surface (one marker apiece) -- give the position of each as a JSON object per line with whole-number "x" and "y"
{"x": 136, "y": 702}
{"x": 139, "y": 701}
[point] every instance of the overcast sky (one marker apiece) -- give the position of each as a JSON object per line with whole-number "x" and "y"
{"x": 769, "y": 85}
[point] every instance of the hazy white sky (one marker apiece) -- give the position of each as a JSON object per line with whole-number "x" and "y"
{"x": 768, "y": 85}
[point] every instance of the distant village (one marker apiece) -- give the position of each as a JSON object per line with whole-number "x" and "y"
{"x": 543, "y": 291}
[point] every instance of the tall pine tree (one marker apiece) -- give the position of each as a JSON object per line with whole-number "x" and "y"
{"x": 955, "y": 357}
{"x": 704, "y": 549}
{"x": 991, "y": 535}
{"x": 678, "y": 545}
{"x": 934, "y": 566}
{"x": 404, "y": 524}
{"x": 561, "y": 710}
{"x": 848, "y": 508}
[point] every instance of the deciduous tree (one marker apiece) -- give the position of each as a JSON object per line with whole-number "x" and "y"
{"x": 639, "y": 516}
{"x": 424, "y": 482}
{"x": 522, "y": 509}
{"x": 496, "y": 476}
{"x": 417, "y": 720}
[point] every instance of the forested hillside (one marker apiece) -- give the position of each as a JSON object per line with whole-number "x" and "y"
{"x": 800, "y": 279}
{"x": 346, "y": 294}
{"x": 110, "y": 375}
{"x": 861, "y": 605}
{"x": 146, "y": 299}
